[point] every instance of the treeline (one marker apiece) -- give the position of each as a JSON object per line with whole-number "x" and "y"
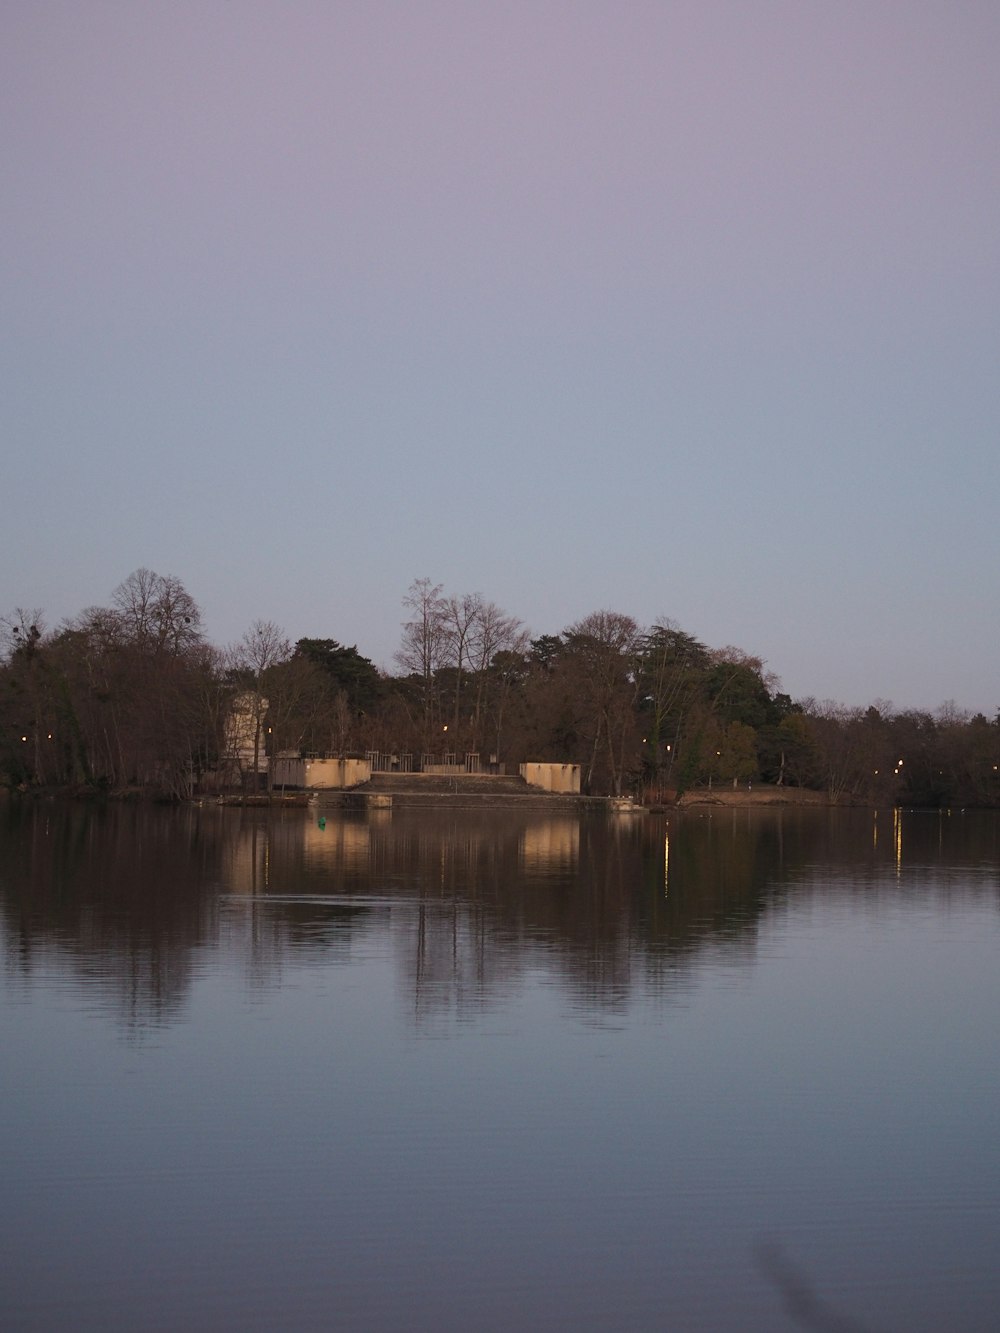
{"x": 134, "y": 695}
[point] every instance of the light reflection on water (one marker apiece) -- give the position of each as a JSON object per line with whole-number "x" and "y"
{"x": 723, "y": 1071}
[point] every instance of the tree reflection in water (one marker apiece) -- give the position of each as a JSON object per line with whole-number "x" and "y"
{"x": 469, "y": 901}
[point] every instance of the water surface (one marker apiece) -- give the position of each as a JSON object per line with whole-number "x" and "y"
{"x": 455, "y": 1071}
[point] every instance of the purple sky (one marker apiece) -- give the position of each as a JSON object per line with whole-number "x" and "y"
{"x": 680, "y": 309}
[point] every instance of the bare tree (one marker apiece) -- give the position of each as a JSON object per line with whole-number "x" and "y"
{"x": 506, "y": 672}
{"x": 22, "y": 630}
{"x": 426, "y": 642}
{"x": 157, "y": 612}
{"x": 494, "y": 632}
{"x": 424, "y": 645}
{"x": 459, "y": 618}
{"x": 263, "y": 647}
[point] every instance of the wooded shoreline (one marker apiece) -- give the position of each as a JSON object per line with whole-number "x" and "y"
{"x": 133, "y": 696}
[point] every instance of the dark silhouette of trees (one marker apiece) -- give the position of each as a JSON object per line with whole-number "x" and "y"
{"x": 115, "y": 697}
{"x": 603, "y": 648}
{"x": 356, "y": 676}
{"x": 449, "y": 651}
{"x": 497, "y": 645}
{"x": 132, "y": 695}
{"x": 671, "y": 666}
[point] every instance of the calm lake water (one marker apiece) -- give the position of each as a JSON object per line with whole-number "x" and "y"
{"x": 489, "y": 1072}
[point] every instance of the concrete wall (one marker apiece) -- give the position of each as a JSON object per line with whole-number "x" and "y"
{"x": 320, "y": 773}
{"x": 336, "y": 772}
{"x": 562, "y": 778}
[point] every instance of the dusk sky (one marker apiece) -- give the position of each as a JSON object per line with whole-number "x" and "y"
{"x": 685, "y": 310}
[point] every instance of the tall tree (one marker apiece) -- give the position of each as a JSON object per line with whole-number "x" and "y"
{"x": 26, "y": 700}
{"x": 157, "y": 612}
{"x": 425, "y": 646}
{"x": 603, "y": 645}
{"x": 460, "y": 617}
{"x": 672, "y": 667}
{"x": 498, "y": 644}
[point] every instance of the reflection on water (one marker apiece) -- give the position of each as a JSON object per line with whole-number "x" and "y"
{"x": 119, "y": 895}
{"x": 550, "y": 846}
{"x": 490, "y": 1070}
{"x": 128, "y": 896}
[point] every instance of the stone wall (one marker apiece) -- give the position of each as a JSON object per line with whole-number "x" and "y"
{"x": 322, "y": 774}
{"x": 561, "y": 778}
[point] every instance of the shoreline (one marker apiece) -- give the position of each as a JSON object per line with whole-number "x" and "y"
{"x": 761, "y": 797}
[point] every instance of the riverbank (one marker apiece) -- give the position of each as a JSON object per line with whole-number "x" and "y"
{"x": 458, "y": 793}
{"x": 759, "y": 796}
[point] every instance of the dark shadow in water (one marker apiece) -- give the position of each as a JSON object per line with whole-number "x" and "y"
{"x": 802, "y": 1304}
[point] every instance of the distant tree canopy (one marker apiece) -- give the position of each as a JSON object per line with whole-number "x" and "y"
{"x": 116, "y": 697}
{"x": 132, "y": 694}
{"x": 355, "y": 675}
